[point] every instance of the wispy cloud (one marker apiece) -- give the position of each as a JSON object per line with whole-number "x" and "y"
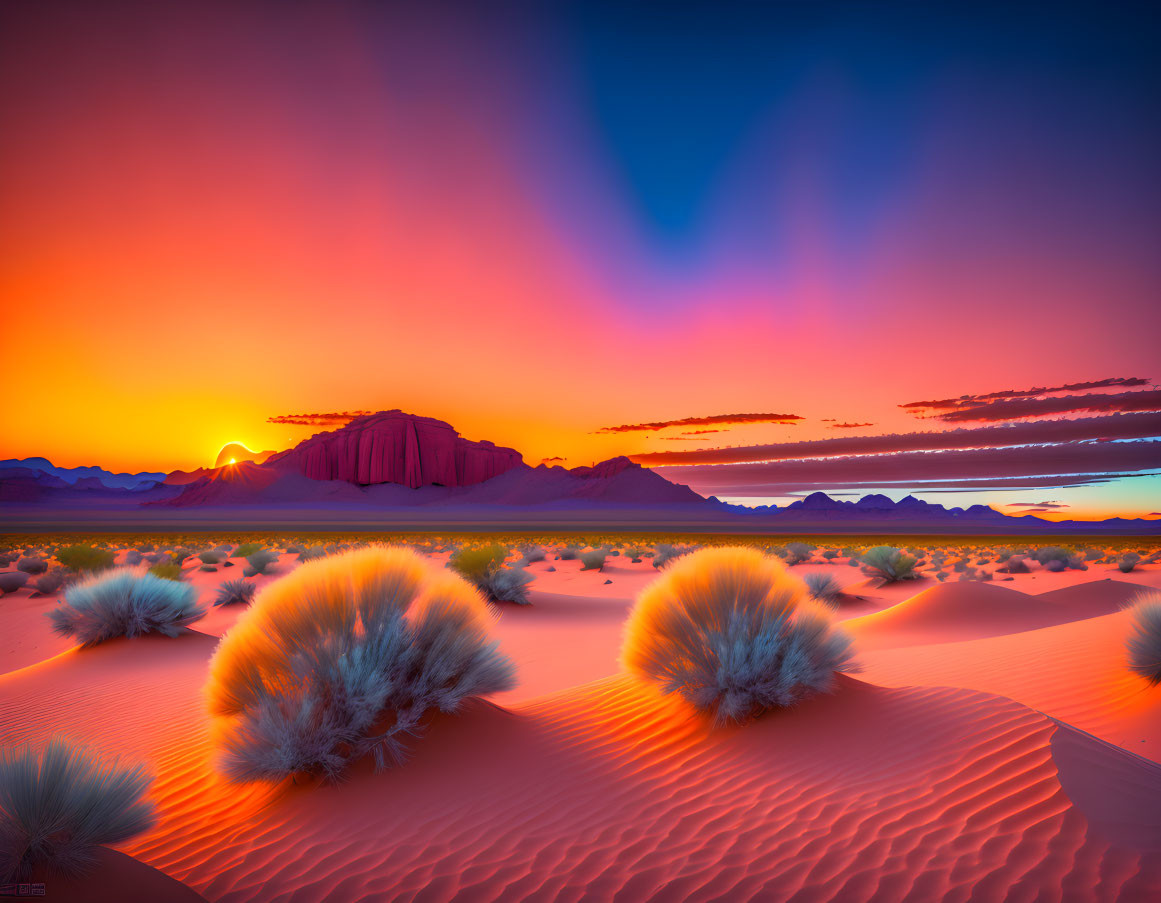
{"x": 714, "y": 419}
{"x": 1017, "y": 409}
{"x": 1114, "y": 426}
{"x": 334, "y": 418}
{"x": 1125, "y": 382}
{"x": 1057, "y": 464}
{"x": 849, "y": 426}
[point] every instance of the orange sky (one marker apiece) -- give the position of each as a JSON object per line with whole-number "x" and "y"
{"x": 208, "y": 221}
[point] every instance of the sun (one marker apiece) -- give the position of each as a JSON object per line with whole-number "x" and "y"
{"x": 233, "y": 452}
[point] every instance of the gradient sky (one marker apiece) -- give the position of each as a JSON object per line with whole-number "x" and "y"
{"x": 537, "y": 221}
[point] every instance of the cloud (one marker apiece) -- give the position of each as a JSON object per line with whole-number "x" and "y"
{"x": 1015, "y": 409}
{"x": 338, "y": 418}
{"x": 848, "y": 426}
{"x": 1114, "y": 426}
{"x": 700, "y": 432}
{"x": 552, "y": 460}
{"x": 1060, "y": 463}
{"x": 1040, "y": 505}
{"x": 787, "y": 419}
{"x": 969, "y": 400}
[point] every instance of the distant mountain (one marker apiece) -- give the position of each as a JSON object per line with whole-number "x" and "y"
{"x": 394, "y": 447}
{"x": 71, "y": 475}
{"x": 617, "y": 482}
{"x": 395, "y": 469}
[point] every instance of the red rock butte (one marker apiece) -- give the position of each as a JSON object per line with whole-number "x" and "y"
{"x": 394, "y": 447}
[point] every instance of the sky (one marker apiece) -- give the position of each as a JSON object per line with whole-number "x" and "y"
{"x": 547, "y": 222}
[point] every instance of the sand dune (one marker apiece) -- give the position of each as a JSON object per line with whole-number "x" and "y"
{"x": 1075, "y": 672}
{"x": 953, "y": 612}
{"x": 607, "y": 791}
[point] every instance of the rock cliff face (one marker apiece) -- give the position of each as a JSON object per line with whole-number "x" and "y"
{"x": 393, "y": 447}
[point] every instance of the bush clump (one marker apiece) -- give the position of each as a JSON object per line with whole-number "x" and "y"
{"x": 890, "y": 564}
{"x": 49, "y": 582}
{"x": 166, "y": 571}
{"x": 84, "y": 558}
{"x": 32, "y": 564}
{"x": 259, "y": 561}
{"x": 734, "y": 634}
{"x": 58, "y": 806}
{"x": 235, "y": 592}
{"x": 798, "y": 552}
{"x": 1144, "y": 643}
{"x": 1128, "y": 561}
{"x": 344, "y": 658}
{"x": 483, "y": 567}
{"x": 124, "y": 603}
{"x": 593, "y": 559}
{"x": 822, "y": 588}
{"x": 11, "y": 581}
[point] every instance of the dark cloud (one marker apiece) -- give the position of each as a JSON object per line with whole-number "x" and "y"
{"x": 701, "y": 432}
{"x": 849, "y": 426}
{"x": 1115, "y": 426}
{"x": 1016, "y": 409}
{"x": 1062, "y": 460}
{"x": 1040, "y": 505}
{"x": 971, "y": 400}
{"x": 337, "y": 418}
{"x": 788, "y": 419}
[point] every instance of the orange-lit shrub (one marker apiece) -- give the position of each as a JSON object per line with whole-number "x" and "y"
{"x": 734, "y": 634}
{"x": 344, "y": 658}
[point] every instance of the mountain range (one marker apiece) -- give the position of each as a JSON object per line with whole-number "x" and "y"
{"x": 393, "y": 468}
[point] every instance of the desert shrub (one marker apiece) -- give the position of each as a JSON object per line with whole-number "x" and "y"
{"x": 210, "y": 556}
{"x": 1144, "y": 643}
{"x": 259, "y": 561}
{"x": 124, "y": 603}
{"x": 84, "y": 558}
{"x": 235, "y": 592}
{"x": 1128, "y": 561}
{"x": 474, "y": 563}
{"x": 246, "y": 549}
{"x": 941, "y": 576}
{"x": 58, "y": 806}
{"x": 568, "y": 553}
{"x": 593, "y": 559}
{"x": 830, "y": 554}
{"x": 310, "y": 553}
{"x": 730, "y": 631}
{"x": 532, "y": 554}
{"x": 798, "y": 552}
{"x": 1050, "y": 553}
{"x": 32, "y": 564}
{"x": 890, "y": 564}
{"x": 209, "y": 568}
{"x": 133, "y": 557}
{"x": 166, "y": 571}
{"x": 483, "y": 567}
{"x": 508, "y": 584}
{"x": 822, "y": 587}
{"x": 11, "y": 581}
{"x": 49, "y": 582}
{"x": 666, "y": 553}
{"x": 1015, "y": 565}
{"x": 343, "y": 658}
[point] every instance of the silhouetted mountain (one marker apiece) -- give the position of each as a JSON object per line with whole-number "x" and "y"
{"x": 393, "y": 468}
{"x": 71, "y": 475}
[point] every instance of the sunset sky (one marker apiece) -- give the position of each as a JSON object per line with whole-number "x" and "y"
{"x": 551, "y": 223}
